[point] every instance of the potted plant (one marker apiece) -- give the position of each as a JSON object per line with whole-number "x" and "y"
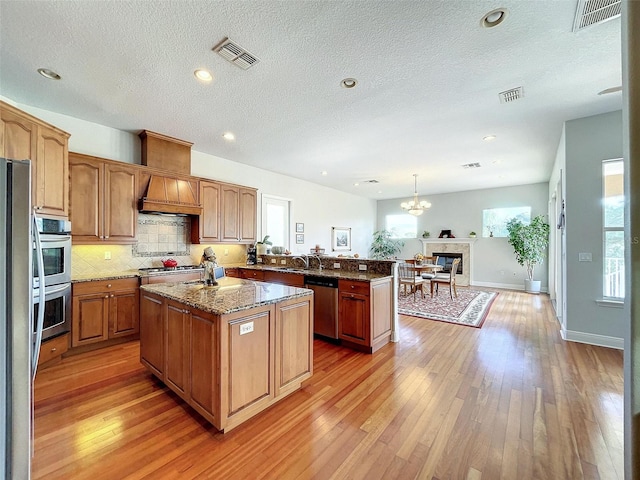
{"x": 383, "y": 246}
{"x": 262, "y": 248}
{"x": 425, "y": 234}
{"x": 529, "y": 243}
{"x": 472, "y": 234}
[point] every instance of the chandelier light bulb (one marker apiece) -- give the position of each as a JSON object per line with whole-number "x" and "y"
{"x": 416, "y": 207}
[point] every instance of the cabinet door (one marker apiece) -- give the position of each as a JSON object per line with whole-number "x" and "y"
{"x": 208, "y": 223}
{"x": 176, "y": 367}
{"x": 85, "y": 209}
{"x": 52, "y": 173}
{"x": 230, "y": 213}
{"x": 250, "y": 274}
{"x": 152, "y": 333}
{"x": 19, "y": 137}
{"x": 248, "y": 208}
{"x": 353, "y": 324}
{"x": 123, "y": 313}
{"x": 204, "y": 365}
{"x": 381, "y": 310}
{"x": 120, "y": 197}
{"x": 90, "y": 319}
{"x": 294, "y": 343}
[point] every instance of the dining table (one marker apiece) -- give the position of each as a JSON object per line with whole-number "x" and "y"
{"x": 425, "y": 268}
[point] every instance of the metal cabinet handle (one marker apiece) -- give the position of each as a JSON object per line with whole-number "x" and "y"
{"x": 53, "y": 349}
{"x": 106, "y": 296}
{"x": 112, "y": 295}
{"x": 106, "y": 236}
{"x": 108, "y": 285}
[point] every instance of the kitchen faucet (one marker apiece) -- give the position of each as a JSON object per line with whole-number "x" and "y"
{"x": 304, "y": 258}
{"x": 317, "y": 257}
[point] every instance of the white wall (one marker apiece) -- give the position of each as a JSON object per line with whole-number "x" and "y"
{"x": 318, "y": 207}
{"x": 589, "y": 141}
{"x": 493, "y": 259}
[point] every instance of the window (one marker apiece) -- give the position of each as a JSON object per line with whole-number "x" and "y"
{"x": 494, "y": 220}
{"x": 275, "y": 220}
{"x": 613, "y": 228}
{"x": 402, "y": 226}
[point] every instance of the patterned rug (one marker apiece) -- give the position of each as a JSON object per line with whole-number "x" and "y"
{"x": 470, "y": 308}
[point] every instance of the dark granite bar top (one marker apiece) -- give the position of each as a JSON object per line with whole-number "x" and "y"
{"x": 231, "y": 295}
{"x": 362, "y": 276}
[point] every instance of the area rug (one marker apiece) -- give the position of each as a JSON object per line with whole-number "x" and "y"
{"x": 470, "y": 308}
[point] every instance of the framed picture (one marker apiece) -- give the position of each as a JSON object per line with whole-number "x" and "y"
{"x": 299, "y": 227}
{"x": 340, "y": 239}
{"x": 299, "y": 237}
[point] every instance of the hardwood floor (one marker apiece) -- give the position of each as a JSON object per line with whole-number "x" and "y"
{"x": 511, "y": 400}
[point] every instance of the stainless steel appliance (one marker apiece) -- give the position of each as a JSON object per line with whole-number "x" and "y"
{"x": 18, "y": 350}
{"x": 55, "y": 238}
{"x": 325, "y": 305}
{"x": 57, "y": 310}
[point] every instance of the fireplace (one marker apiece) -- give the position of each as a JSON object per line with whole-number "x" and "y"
{"x": 446, "y": 259}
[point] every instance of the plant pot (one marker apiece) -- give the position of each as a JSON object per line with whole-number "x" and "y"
{"x": 262, "y": 249}
{"x": 532, "y": 286}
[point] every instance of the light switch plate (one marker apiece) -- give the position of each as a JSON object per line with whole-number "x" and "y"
{"x": 584, "y": 257}
{"x": 246, "y": 328}
{"x": 362, "y": 267}
{"x": 273, "y": 260}
{"x": 336, "y": 265}
{"x": 283, "y": 262}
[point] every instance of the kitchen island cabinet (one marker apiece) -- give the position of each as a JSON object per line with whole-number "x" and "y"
{"x": 229, "y": 351}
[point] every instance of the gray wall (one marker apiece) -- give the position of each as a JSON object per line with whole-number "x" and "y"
{"x": 588, "y": 141}
{"x": 493, "y": 259}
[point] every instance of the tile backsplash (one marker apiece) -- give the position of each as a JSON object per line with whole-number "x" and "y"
{"x": 158, "y": 237}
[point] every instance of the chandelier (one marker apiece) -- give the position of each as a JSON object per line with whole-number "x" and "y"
{"x": 415, "y": 207}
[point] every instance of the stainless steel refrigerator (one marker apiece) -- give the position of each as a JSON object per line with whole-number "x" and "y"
{"x": 18, "y": 344}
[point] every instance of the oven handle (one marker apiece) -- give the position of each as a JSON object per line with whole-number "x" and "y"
{"x": 52, "y": 289}
{"x": 41, "y": 299}
{"x": 50, "y": 238}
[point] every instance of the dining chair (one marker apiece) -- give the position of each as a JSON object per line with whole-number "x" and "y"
{"x": 407, "y": 277}
{"x": 447, "y": 278}
{"x": 427, "y": 276}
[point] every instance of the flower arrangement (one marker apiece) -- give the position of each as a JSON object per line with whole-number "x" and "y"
{"x": 418, "y": 257}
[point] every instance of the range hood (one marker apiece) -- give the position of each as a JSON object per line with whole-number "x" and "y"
{"x": 172, "y": 196}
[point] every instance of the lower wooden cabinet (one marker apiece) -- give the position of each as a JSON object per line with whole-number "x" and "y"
{"x": 365, "y": 313}
{"x": 284, "y": 278}
{"x": 52, "y": 350}
{"x": 103, "y": 310}
{"x": 228, "y": 367}
{"x": 250, "y": 274}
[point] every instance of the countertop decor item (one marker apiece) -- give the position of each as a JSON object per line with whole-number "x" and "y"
{"x": 529, "y": 243}
{"x": 426, "y": 234}
{"x": 169, "y": 262}
{"x": 472, "y": 234}
{"x": 415, "y": 206}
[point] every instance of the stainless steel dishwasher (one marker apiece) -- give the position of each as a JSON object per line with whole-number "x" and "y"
{"x": 325, "y": 305}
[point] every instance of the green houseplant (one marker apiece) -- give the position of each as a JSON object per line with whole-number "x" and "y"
{"x": 262, "y": 248}
{"x": 529, "y": 243}
{"x": 383, "y": 246}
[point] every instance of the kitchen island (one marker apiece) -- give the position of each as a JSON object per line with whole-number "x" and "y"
{"x": 231, "y": 350}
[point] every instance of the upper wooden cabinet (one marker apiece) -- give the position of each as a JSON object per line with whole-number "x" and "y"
{"x": 228, "y": 214}
{"x": 25, "y": 137}
{"x": 103, "y": 200}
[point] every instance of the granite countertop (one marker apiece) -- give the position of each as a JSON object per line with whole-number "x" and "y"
{"x": 325, "y": 272}
{"x": 231, "y": 294}
{"x": 104, "y": 276}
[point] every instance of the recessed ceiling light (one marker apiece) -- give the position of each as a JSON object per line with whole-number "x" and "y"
{"x": 349, "y": 83}
{"x": 324, "y": 173}
{"x": 489, "y": 138}
{"x": 228, "y": 136}
{"x": 204, "y": 75}
{"x": 496, "y": 162}
{"x": 379, "y": 191}
{"x": 494, "y": 18}
{"x": 50, "y": 74}
{"x": 356, "y": 184}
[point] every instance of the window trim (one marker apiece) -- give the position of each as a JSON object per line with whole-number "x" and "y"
{"x": 610, "y": 300}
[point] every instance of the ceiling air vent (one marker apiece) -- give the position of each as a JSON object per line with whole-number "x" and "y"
{"x": 471, "y": 165}
{"x": 593, "y": 12}
{"x": 511, "y": 95}
{"x": 237, "y": 55}
{"x": 371, "y": 181}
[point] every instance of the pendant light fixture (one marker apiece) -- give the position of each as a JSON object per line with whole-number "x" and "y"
{"x": 415, "y": 207}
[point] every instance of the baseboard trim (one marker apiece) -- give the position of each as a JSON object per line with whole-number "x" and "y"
{"x": 593, "y": 339}
{"x": 503, "y": 286}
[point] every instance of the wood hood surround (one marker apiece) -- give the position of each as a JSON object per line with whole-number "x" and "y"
{"x": 165, "y": 193}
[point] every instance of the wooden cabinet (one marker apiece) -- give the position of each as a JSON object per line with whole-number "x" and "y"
{"x": 233, "y": 272}
{"x": 251, "y": 274}
{"x": 26, "y": 137}
{"x": 284, "y": 278}
{"x": 52, "y": 350}
{"x": 228, "y": 367}
{"x": 103, "y": 200}
{"x": 205, "y": 228}
{"x": 104, "y": 310}
{"x": 365, "y": 313}
{"x": 238, "y": 214}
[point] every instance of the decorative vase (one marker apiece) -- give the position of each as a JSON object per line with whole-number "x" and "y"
{"x": 418, "y": 262}
{"x": 532, "y": 286}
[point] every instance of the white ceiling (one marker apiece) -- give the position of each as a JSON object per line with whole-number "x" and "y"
{"x": 429, "y": 77}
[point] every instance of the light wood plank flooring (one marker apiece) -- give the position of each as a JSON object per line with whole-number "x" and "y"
{"x": 511, "y": 400}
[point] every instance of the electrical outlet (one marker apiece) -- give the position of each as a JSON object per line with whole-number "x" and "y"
{"x": 107, "y": 255}
{"x": 336, "y": 265}
{"x": 273, "y": 260}
{"x": 226, "y": 252}
{"x": 283, "y": 262}
{"x": 246, "y": 328}
{"x": 362, "y": 268}
{"x": 585, "y": 257}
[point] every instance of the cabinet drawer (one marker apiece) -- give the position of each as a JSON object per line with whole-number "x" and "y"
{"x": 354, "y": 286}
{"x": 100, "y": 286}
{"x": 53, "y": 348}
{"x": 252, "y": 274}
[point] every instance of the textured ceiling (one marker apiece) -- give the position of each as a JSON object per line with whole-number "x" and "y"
{"x": 428, "y": 82}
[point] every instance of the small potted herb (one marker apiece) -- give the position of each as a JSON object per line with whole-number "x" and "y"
{"x": 472, "y": 234}
{"x": 425, "y": 234}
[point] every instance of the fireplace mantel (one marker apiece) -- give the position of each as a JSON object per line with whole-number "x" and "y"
{"x": 448, "y": 240}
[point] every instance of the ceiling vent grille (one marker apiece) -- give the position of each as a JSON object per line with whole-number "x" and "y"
{"x": 471, "y": 165}
{"x": 593, "y": 12}
{"x": 235, "y": 54}
{"x": 511, "y": 95}
{"x": 371, "y": 181}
